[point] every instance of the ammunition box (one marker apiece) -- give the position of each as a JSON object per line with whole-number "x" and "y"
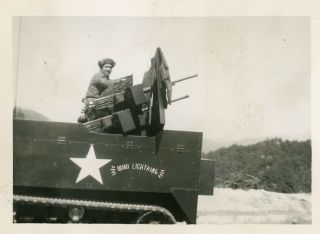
{"x": 136, "y": 95}
{"x": 124, "y": 121}
{"x": 118, "y": 98}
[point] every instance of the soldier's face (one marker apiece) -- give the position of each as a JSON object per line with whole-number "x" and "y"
{"x": 107, "y": 69}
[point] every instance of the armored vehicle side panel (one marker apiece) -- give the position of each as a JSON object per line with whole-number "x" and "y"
{"x": 53, "y": 160}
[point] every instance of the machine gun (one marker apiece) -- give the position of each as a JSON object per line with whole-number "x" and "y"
{"x": 134, "y": 109}
{"x": 123, "y": 121}
{"x": 111, "y": 99}
{"x": 131, "y": 118}
{"x": 122, "y": 111}
{"x": 125, "y": 95}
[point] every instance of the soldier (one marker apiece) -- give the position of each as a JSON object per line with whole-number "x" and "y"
{"x": 99, "y": 82}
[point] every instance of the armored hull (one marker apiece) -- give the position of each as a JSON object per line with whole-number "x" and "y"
{"x": 64, "y": 173}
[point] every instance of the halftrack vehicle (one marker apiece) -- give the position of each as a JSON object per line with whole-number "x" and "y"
{"x": 117, "y": 166}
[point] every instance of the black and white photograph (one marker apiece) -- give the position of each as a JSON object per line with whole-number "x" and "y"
{"x": 162, "y": 120}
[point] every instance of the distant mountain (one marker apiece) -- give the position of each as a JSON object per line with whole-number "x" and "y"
{"x": 22, "y": 113}
{"x": 209, "y": 145}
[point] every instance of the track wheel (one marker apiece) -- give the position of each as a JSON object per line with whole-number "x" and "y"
{"x": 152, "y": 217}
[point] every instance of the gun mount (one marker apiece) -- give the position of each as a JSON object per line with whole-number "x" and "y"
{"x": 134, "y": 109}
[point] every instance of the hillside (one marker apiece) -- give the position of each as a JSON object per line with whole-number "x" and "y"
{"x": 22, "y": 113}
{"x": 273, "y": 165}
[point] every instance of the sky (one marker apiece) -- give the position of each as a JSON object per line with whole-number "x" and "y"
{"x": 254, "y": 72}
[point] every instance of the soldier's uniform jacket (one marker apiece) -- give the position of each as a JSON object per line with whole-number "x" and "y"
{"x": 98, "y": 84}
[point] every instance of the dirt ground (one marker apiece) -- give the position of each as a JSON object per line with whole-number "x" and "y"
{"x": 228, "y": 206}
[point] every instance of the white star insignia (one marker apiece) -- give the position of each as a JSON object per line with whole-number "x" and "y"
{"x": 90, "y": 165}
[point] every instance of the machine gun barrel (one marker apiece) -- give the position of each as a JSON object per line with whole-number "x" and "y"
{"x": 148, "y": 89}
{"x": 182, "y": 79}
{"x": 179, "y": 98}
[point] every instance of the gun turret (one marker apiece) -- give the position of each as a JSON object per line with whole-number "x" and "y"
{"x": 134, "y": 109}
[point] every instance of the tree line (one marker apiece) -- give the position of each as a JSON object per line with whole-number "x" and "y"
{"x": 274, "y": 165}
